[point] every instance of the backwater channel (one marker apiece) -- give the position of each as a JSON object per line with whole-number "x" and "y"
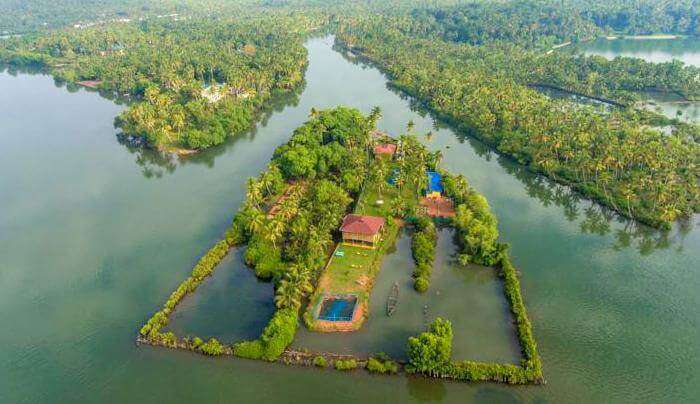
{"x": 95, "y": 236}
{"x": 685, "y": 49}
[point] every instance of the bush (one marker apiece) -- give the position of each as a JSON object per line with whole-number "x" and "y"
{"x": 320, "y": 361}
{"x": 248, "y": 349}
{"x": 421, "y": 284}
{"x": 279, "y": 333}
{"x": 345, "y": 364}
{"x": 430, "y": 352}
{"x": 423, "y": 250}
{"x": 381, "y": 363}
{"x": 274, "y": 339}
{"x": 237, "y": 234}
{"x": 264, "y": 257}
{"x": 212, "y": 347}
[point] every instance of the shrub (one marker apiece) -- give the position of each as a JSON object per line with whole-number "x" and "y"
{"x": 320, "y": 361}
{"x": 423, "y": 250}
{"x": 212, "y": 347}
{"x": 345, "y": 364}
{"x": 248, "y": 349}
{"x": 237, "y": 234}
{"x": 430, "y": 352}
{"x": 381, "y": 363}
{"x": 197, "y": 342}
{"x": 421, "y": 284}
{"x": 275, "y": 338}
{"x": 264, "y": 257}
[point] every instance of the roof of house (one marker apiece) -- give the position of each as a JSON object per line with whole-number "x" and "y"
{"x": 385, "y": 148}
{"x": 367, "y": 225}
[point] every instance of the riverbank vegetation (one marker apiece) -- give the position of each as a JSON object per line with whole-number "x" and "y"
{"x": 423, "y": 251}
{"x": 614, "y": 156}
{"x": 192, "y": 84}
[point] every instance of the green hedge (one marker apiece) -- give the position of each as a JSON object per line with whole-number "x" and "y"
{"x": 212, "y": 347}
{"x": 423, "y": 251}
{"x": 531, "y": 362}
{"x": 204, "y": 267}
{"x": 275, "y": 338}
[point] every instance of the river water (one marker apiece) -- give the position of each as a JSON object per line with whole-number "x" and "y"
{"x": 94, "y": 237}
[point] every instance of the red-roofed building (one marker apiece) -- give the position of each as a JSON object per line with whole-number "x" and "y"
{"x": 387, "y": 149}
{"x": 362, "y": 229}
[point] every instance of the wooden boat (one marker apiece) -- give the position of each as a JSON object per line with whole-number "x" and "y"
{"x": 392, "y": 300}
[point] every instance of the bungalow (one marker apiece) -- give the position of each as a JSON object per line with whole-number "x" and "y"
{"x": 385, "y": 149}
{"x": 364, "y": 230}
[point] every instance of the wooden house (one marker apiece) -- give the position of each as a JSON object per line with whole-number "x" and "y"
{"x": 363, "y": 230}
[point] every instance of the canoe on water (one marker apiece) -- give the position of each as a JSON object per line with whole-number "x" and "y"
{"x": 392, "y": 300}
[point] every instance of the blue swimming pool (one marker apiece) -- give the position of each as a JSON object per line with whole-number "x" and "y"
{"x": 337, "y": 308}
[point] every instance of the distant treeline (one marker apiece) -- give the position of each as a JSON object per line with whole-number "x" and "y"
{"x": 551, "y": 22}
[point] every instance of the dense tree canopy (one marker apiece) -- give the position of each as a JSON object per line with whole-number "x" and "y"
{"x": 195, "y": 82}
{"x": 611, "y": 155}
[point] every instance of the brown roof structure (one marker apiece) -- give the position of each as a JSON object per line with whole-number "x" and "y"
{"x": 359, "y": 224}
{"x": 385, "y": 148}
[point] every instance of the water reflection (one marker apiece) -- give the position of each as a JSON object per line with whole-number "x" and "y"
{"x": 426, "y": 390}
{"x": 595, "y": 218}
{"x": 155, "y": 164}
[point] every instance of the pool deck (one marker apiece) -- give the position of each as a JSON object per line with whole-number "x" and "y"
{"x": 350, "y": 274}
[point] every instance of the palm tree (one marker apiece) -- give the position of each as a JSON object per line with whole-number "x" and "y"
{"x": 295, "y": 285}
{"x": 375, "y": 115}
{"x": 254, "y": 195}
{"x": 286, "y": 295}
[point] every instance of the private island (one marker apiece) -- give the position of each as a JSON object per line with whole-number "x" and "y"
{"x": 318, "y": 222}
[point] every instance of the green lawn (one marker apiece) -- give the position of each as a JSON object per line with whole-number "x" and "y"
{"x": 354, "y": 272}
{"x": 349, "y": 273}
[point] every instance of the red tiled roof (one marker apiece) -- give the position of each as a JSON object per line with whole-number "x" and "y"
{"x": 386, "y": 148}
{"x": 367, "y": 225}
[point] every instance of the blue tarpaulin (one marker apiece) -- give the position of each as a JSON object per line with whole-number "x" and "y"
{"x": 392, "y": 179}
{"x": 434, "y": 182}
